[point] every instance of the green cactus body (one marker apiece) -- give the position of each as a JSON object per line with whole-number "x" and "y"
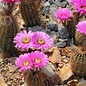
{"x": 8, "y": 30}
{"x": 78, "y": 63}
{"x": 79, "y": 38}
{"x": 34, "y": 78}
{"x": 29, "y": 13}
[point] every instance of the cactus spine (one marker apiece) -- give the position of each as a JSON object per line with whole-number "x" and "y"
{"x": 80, "y": 38}
{"x": 78, "y": 63}
{"x": 8, "y": 30}
{"x": 29, "y": 13}
{"x": 35, "y": 78}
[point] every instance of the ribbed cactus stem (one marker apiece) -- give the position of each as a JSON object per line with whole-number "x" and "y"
{"x": 35, "y": 78}
{"x": 8, "y": 30}
{"x": 78, "y": 63}
{"x": 29, "y": 13}
{"x": 80, "y": 38}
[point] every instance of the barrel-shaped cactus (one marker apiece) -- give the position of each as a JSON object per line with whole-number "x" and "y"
{"x": 29, "y": 12}
{"x": 8, "y": 30}
{"x": 35, "y": 78}
{"x": 79, "y": 38}
{"x": 78, "y": 63}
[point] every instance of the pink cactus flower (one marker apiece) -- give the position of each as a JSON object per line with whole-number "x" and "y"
{"x": 81, "y": 27}
{"x": 73, "y": 1}
{"x": 39, "y": 59}
{"x": 42, "y": 41}
{"x": 63, "y": 14}
{"x": 24, "y": 62}
{"x": 23, "y": 40}
{"x": 11, "y": 1}
{"x": 80, "y": 6}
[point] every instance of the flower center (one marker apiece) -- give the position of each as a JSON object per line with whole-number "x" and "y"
{"x": 26, "y": 63}
{"x": 12, "y": 0}
{"x": 84, "y": 7}
{"x": 37, "y": 60}
{"x": 63, "y": 15}
{"x": 41, "y": 41}
{"x": 26, "y": 40}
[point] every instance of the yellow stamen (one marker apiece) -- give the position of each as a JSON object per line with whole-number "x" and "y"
{"x": 37, "y": 60}
{"x": 26, "y": 40}
{"x": 26, "y": 63}
{"x": 41, "y": 41}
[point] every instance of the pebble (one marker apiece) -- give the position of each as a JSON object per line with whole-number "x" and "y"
{"x": 63, "y": 40}
{"x": 52, "y": 25}
{"x": 35, "y": 28}
{"x": 54, "y": 35}
{"x": 63, "y": 57}
{"x": 63, "y": 33}
{"x": 64, "y": 4}
{"x": 61, "y": 44}
{"x": 65, "y": 60}
{"x": 53, "y": 9}
{"x": 47, "y": 31}
{"x": 1, "y": 4}
{"x": 46, "y": 10}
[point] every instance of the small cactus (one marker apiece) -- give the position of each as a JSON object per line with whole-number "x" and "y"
{"x": 8, "y": 30}
{"x": 29, "y": 12}
{"x": 79, "y": 38}
{"x": 78, "y": 63}
{"x": 34, "y": 78}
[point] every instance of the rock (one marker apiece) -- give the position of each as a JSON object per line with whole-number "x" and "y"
{"x": 55, "y": 57}
{"x": 35, "y": 28}
{"x": 54, "y": 35}
{"x": 52, "y": 25}
{"x": 46, "y": 8}
{"x": 58, "y": 3}
{"x": 82, "y": 82}
{"x": 65, "y": 72}
{"x": 61, "y": 44}
{"x": 63, "y": 33}
{"x": 12, "y": 68}
{"x": 69, "y": 1}
{"x": 66, "y": 60}
{"x": 1, "y": 4}
{"x": 46, "y": 4}
{"x": 49, "y": 70}
{"x": 64, "y": 57}
{"x": 2, "y": 82}
{"x": 73, "y": 82}
{"x": 64, "y": 4}
{"x": 69, "y": 41}
{"x": 62, "y": 40}
{"x": 52, "y": 2}
{"x": 47, "y": 31}
{"x": 53, "y": 9}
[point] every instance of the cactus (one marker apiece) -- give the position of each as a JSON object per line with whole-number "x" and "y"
{"x": 78, "y": 63}
{"x": 29, "y": 12}
{"x": 79, "y": 38}
{"x": 8, "y": 30}
{"x": 34, "y": 78}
